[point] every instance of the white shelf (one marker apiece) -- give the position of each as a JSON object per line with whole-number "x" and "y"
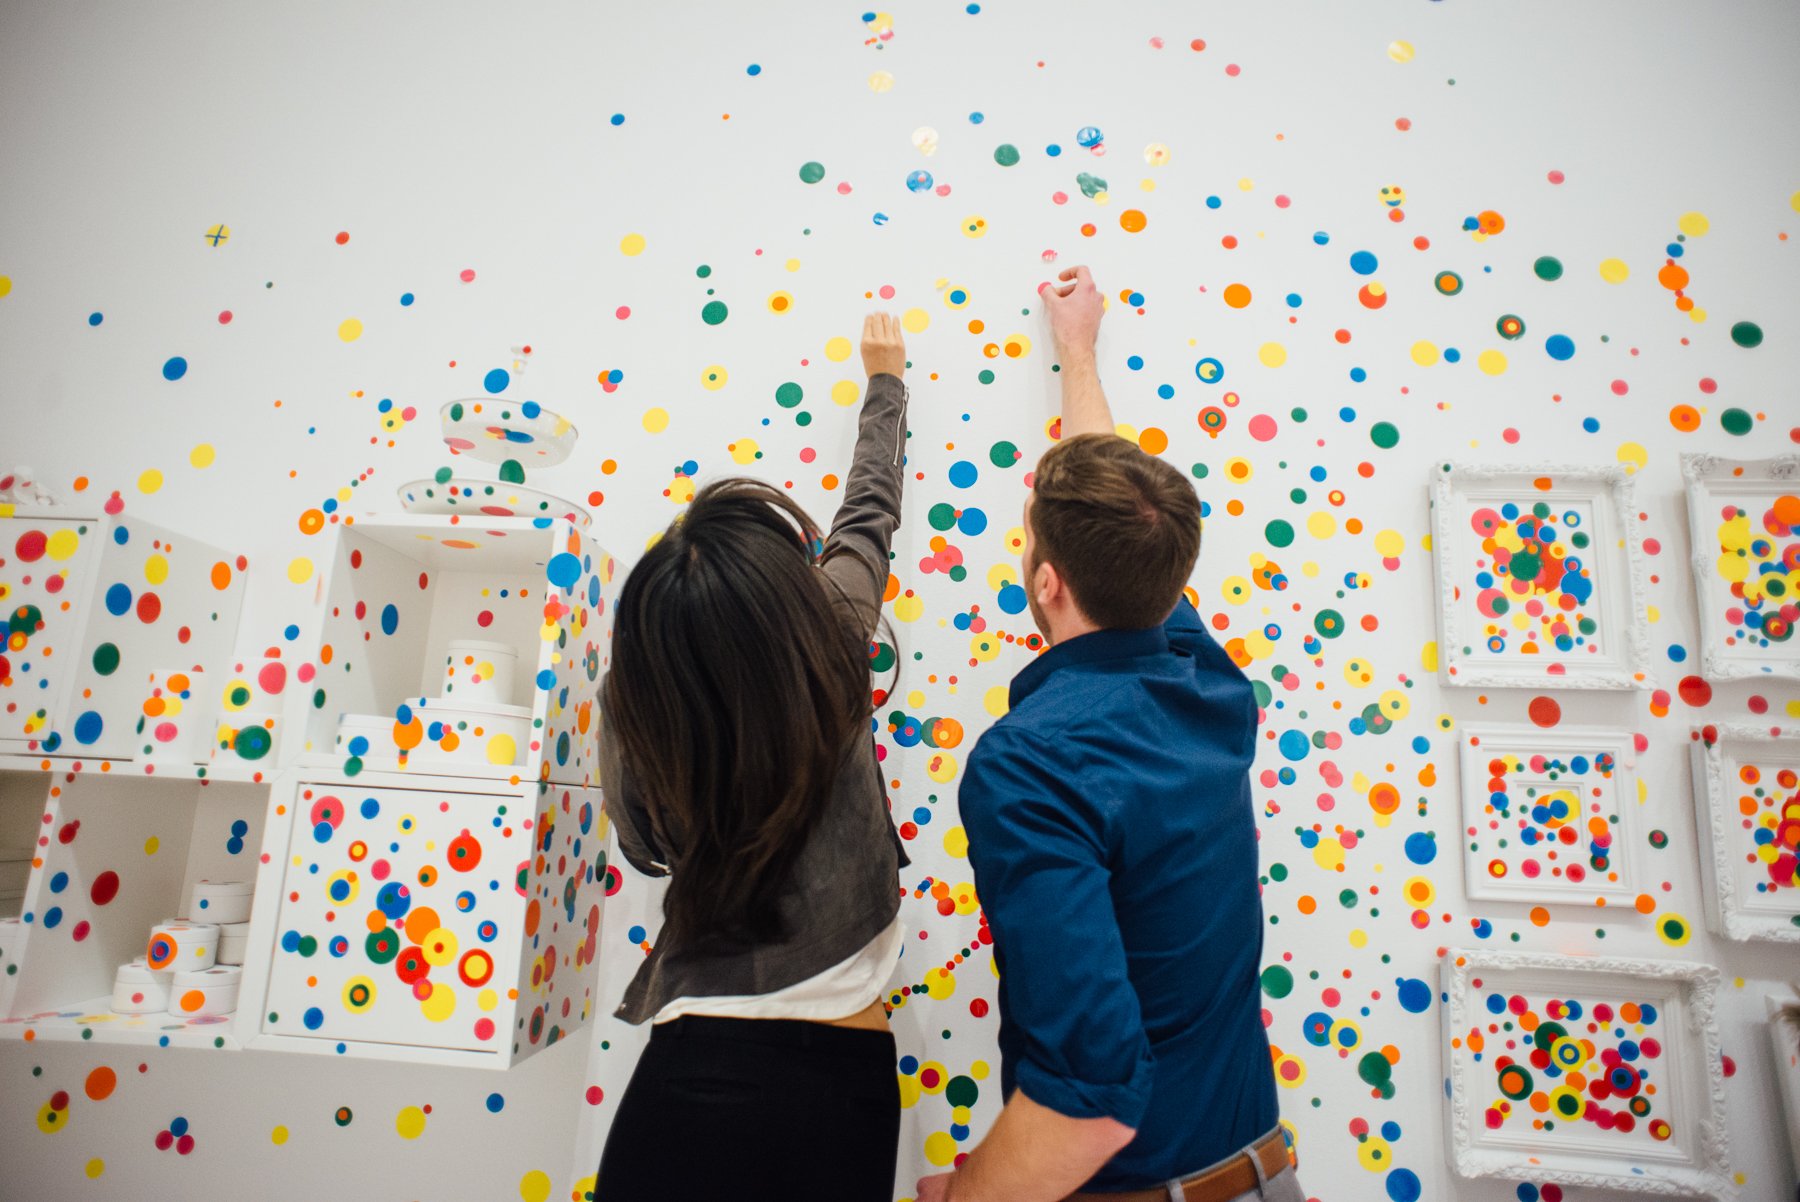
{"x": 94, "y": 1022}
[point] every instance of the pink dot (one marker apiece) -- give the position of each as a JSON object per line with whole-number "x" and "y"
{"x": 1652, "y": 546}
{"x": 484, "y": 1028}
{"x": 844, "y": 189}
{"x": 594, "y": 1095}
{"x": 1510, "y": 434}
{"x": 807, "y": 454}
{"x": 1403, "y": 124}
{"x": 1708, "y": 385}
{"x": 622, "y": 312}
{"x": 1262, "y": 427}
{"x": 1060, "y": 198}
{"x": 1620, "y": 387}
{"x": 942, "y": 189}
{"x": 1282, "y": 202}
{"x": 225, "y": 317}
{"x": 409, "y": 413}
{"x": 467, "y": 275}
{"x": 1556, "y": 177}
{"x": 887, "y": 292}
{"x": 1232, "y": 69}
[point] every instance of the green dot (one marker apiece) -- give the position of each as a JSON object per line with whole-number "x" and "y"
{"x": 1548, "y": 268}
{"x": 1200, "y": 471}
{"x": 1746, "y": 334}
{"x": 1003, "y": 454}
{"x": 1006, "y": 154}
{"x": 106, "y": 659}
{"x": 812, "y": 173}
{"x": 1384, "y": 435}
{"x": 442, "y": 475}
{"x": 941, "y": 516}
{"x": 1736, "y": 421}
{"x": 1279, "y": 533}
{"x": 703, "y": 271}
{"x": 962, "y": 1091}
{"x": 788, "y": 395}
{"x": 512, "y": 472}
{"x": 985, "y": 376}
{"x": 803, "y": 419}
{"x": 714, "y": 313}
{"x": 1277, "y": 981}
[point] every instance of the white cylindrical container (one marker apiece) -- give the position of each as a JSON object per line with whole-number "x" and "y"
{"x": 376, "y": 732}
{"x": 182, "y": 946}
{"x": 206, "y": 993}
{"x": 473, "y": 735}
{"x": 234, "y": 942}
{"x": 478, "y": 673}
{"x": 173, "y": 725}
{"x": 222, "y": 902}
{"x": 247, "y": 736}
{"x": 139, "y": 989}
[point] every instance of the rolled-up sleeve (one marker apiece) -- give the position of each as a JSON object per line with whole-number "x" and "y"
{"x": 1041, "y": 874}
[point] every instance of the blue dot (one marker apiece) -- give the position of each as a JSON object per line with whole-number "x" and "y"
{"x": 496, "y": 380}
{"x": 370, "y": 807}
{"x": 972, "y": 9}
{"x": 406, "y": 298}
{"x": 635, "y": 934}
{"x": 1421, "y": 744}
{"x": 175, "y": 368}
{"x": 1390, "y": 1130}
{"x": 88, "y": 727}
{"x": 390, "y": 618}
{"x": 972, "y": 522}
{"x": 59, "y": 882}
{"x": 1452, "y": 355}
{"x": 1677, "y": 653}
{"x": 563, "y": 570}
{"x": 1363, "y": 262}
{"x": 1135, "y": 363}
{"x": 1053, "y": 150}
{"x": 1358, "y": 375}
{"x": 240, "y": 828}
{"x": 618, "y": 118}
{"x": 314, "y": 1018}
{"x": 1293, "y": 300}
{"x": 753, "y": 69}
{"x": 962, "y": 473}
{"x": 1321, "y": 238}
{"x": 95, "y": 319}
{"x": 1421, "y": 848}
{"x": 178, "y": 1128}
{"x": 496, "y": 1103}
{"x": 1559, "y": 347}
{"x": 52, "y": 916}
{"x": 976, "y": 118}
{"x": 1590, "y": 424}
{"x": 1403, "y": 1186}
{"x": 531, "y": 409}
{"x": 322, "y": 832}
{"x": 546, "y": 679}
{"x": 1165, "y": 391}
{"x": 1012, "y": 599}
{"x": 1414, "y": 995}
{"x": 1346, "y": 414}
{"x": 1293, "y": 744}
{"x": 1213, "y": 202}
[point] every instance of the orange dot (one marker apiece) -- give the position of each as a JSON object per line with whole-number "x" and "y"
{"x": 829, "y": 482}
{"x": 1237, "y": 295}
{"x": 1673, "y": 276}
{"x": 1540, "y": 917}
{"x": 192, "y": 1000}
{"x": 100, "y": 1083}
{"x": 1153, "y": 441}
{"x": 1307, "y": 905}
{"x": 1685, "y": 418}
{"x": 1645, "y": 904}
{"x": 312, "y": 521}
{"x": 1132, "y": 221}
{"x": 1787, "y": 510}
{"x": 1088, "y": 230}
{"x": 221, "y": 575}
{"x": 81, "y": 483}
{"x": 608, "y": 467}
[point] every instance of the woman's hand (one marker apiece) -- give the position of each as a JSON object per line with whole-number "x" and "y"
{"x": 883, "y": 345}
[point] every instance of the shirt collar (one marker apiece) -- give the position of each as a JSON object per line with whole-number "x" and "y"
{"x": 1086, "y": 649}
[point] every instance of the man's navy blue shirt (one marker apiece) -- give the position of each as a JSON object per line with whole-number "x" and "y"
{"x": 1114, "y": 846}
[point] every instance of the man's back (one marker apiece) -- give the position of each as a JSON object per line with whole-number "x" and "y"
{"x": 1110, "y": 812}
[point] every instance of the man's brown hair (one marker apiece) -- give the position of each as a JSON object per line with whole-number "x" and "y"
{"x": 1121, "y": 526}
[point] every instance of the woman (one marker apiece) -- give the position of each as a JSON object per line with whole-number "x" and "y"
{"x": 738, "y": 760}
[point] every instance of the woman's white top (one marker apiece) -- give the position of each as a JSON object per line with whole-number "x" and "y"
{"x": 838, "y": 992}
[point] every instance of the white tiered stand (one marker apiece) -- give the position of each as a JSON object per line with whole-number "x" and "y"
{"x": 488, "y": 879}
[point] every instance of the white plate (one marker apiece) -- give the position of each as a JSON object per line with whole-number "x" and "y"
{"x": 489, "y": 497}
{"x": 494, "y": 431}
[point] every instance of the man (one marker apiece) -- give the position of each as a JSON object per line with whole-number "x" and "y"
{"x": 1114, "y": 846}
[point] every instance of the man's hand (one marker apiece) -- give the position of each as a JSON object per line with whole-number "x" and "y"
{"x": 883, "y": 345}
{"x": 1074, "y": 306}
{"x": 935, "y": 1189}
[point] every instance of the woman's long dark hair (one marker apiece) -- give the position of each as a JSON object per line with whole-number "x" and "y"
{"x": 736, "y": 689}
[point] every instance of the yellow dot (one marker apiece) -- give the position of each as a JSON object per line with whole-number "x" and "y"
{"x": 150, "y": 481}
{"x": 1401, "y": 52}
{"x": 1359, "y": 938}
{"x": 1424, "y": 353}
{"x": 410, "y": 1123}
{"x": 713, "y": 378}
{"x": 997, "y": 700}
{"x": 1633, "y": 454}
{"x": 744, "y": 451}
{"x": 956, "y": 842}
{"x": 278, "y": 1136}
{"x": 95, "y": 1167}
{"x": 914, "y": 321}
{"x": 1696, "y": 315}
{"x": 1793, "y": 202}
{"x": 535, "y": 1186}
{"x": 1321, "y": 525}
{"x": 1694, "y": 225}
{"x": 1614, "y": 271}
{"x": 837, "y": 349}
{"x": 631, "y": 244}
{"x": 792, "y": 264}
{"x": 881, "y": 81}
{"x": 62, "y": 545}
{"x": 1491, "y": 362}
{"x": 1272, "y": 354}
{"x": 501, "y": 749}
{"x": 350, "y": 329}
{"x": 202, "y": 455}
{"x": 656, "y": 420}
{"x": 300, "y": 570}
{"x": 6, "y": 280}
{"x": 974, "y": 227}
{"x": 1389, "y": 543}
{"x": 940, "y": 1149}
{"x": 151, "y": 844}
{"x": 845, "y": 392}
{"x": 156, "y": 569}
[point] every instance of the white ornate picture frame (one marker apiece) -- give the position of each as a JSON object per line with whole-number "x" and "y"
{"x": 1578, "y": 620}
{"x": 1551, "y": 816}
{"x": 1606, "y": 1029}
{"x": 1740, "y": 543}
{"x": 1784, "y": 1040}
{"x": 1746, "y": 784}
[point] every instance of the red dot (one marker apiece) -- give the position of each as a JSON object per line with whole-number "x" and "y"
{"x": 225, "y": 317}
{"x": 1232, "y": 70}
{"x": 104, "y": 888}
{"x": 485, "y": 618}
{"x": 979, "y": 1007}
{"x": 1708, "y": 385}
{"x": 622, "y": 312}
{"x": 594, "y": 1095}
{"x": 1694, "y": 691}
{"x": 59, "y": 1100}
{"x": 343, "y": 237}
{"x": 1544, "y": 711}
{"x": 1403, "y": 124}
{"x": 467, "y": 275}
{"x": 1556, "y": 177}
{"x": 1197, "y": 44}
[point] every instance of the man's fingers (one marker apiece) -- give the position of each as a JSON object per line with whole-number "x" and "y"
{"x": 1068, "y": 273}
{"x": 1083, "y": 277}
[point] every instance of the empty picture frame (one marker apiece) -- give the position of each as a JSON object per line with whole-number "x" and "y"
{"x": 1540, "y": 577}
{"x": 1747, "y": 811}
{"x": 1551, "y": 815}
{"x": 1603, "y": 1073}
{"x": 1744, "y": 523}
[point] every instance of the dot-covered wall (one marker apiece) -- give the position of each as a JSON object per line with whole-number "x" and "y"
{"x": 249, "y": 252}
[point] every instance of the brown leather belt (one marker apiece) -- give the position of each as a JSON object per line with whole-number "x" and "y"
{"x": 1233, "y": 1177}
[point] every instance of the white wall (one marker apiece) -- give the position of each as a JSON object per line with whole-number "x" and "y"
{"x": 456, "y": 136}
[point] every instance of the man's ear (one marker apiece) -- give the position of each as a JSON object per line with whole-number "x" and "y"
{"x": 1046, "y": 584}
